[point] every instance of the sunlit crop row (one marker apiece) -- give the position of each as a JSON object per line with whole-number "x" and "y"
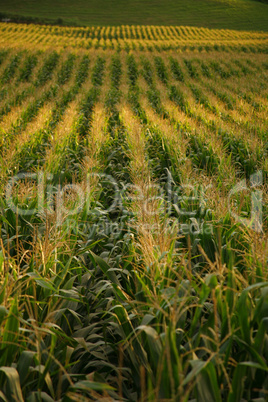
{"x": 133, "y": 37}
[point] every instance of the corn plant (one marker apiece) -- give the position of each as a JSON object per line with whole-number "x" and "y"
{"x": 176, "y": 70}
{"x": 205, "y": 70}
{"x": 219, "y": 69}
{"x": 98, "y": 72}
{"x": 132, "y": 70}
{"x": 147, "y": 71}
{"x": 66, "y": 69}
{"x": 27, "y": 69}
{"x": 161, "y": 69}
{"x": 203, "y": 155}
{"x": 16, "y": 101}
{"x": 177, "y": 96}
{"x": 246, "y": 163}
{"x": 192, "y": 70}
{"x": 11, "y": 68}
{"x": 45, "y": 72}
{"x": 203, "y": 99}
{"x": 155, "y": 101}
{"x": 116, "y": 72}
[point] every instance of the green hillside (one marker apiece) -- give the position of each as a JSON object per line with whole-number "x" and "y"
{"x": 231, "y": 14}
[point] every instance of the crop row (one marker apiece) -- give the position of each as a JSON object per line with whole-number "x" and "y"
{"x": 140, "y": 38}
{"x": 135, "y": 32}
{"x": 181, "y": 69}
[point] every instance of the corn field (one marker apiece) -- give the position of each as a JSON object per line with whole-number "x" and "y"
{"x": 140, "y": 38}
{"x": 134, "y": 214}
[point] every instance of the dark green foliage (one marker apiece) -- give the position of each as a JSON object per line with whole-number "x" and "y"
{"x": 133, "y": 99}
{"x": 11, "y": 68}
{"x": 98, "y": 72}
{"x": 82, "y": 72}
{"x": 220, "y": 69}
{"x": 147, "y": 71}
{"x": 16, "y": 101}
{"x": 116, "y": 71}
{"x": 45, "y": 72}
{"x": 202, "y": 99}
{"x": 155, "y": 101}
{"x": 66, "y": 69}
{"x": 226, "y": 98}
{"x": 132, "y": 69}
{"x": 161, "y": 69}
{"x": 27, "y": 68}
{"x": 246, "y": 163}
{"x": 202, "y": 155}
{"x": 205, "y": 70}
{"x": 176, "y": 69}
{"x": 158, "y": 154}
{"x": 192, "y": 70}
{"x": 86, "y": 109}
{"x": 177, "y": 96}
{"x": 245, "y": 70}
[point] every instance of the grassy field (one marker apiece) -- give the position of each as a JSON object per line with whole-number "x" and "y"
{"x": 229, "y": 14}
{"x": 133, "y": 214}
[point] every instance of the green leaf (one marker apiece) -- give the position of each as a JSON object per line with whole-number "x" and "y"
{"x": 24, "y": 364}
{"x": 3, "y": 290}
{"x": 237, "y": 384}
{"x": 205, "y": 291}
{"x": 13, "y": 392}
{"x": 106, "y": 269}
{"x": 252, "y": 351}
{"x": 207, "y": 385}
{"x": 254, "y": 365}
{"x": 147, "y": 319}
{"x": 3, "y": 313}
{"x": 197, "y": 365}
{"x": 262, "y": 331}
{"x": 10, "y": 335}
{"x": 4, "y": 220}
{"x": 39, "y": 396}
{"x": 1, "y": 260}
{"x": 154, "y": 343}
{"x": 44, "y": 283}
{"x": 243, "y": 310}
{"x": 89, "y": 386}
{"x": 61, "y": 276}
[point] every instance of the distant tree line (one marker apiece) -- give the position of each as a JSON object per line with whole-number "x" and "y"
{"x": 32, "y": 20}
